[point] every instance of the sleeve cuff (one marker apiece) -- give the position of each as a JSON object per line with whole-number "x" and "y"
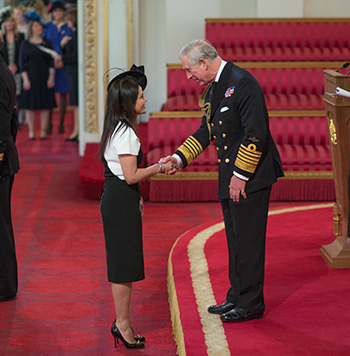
{"x": 240, "y": 176}
{"x": 179, "y": 161}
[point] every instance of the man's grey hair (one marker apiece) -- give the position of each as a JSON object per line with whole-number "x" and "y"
{"x": 197, "y": 49}
{"x": 1, "y": 41}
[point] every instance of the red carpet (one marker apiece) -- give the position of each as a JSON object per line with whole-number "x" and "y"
{"x": 307, "y": 309}
{"x": 64, "y": 304}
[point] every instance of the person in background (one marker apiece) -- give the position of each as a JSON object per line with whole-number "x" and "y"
{"x": 10, "y": 53}
{"x": 9, "y": 166}
{"x": 69, "y": 46}
{"x": 121, "y": 203}
{"x": 55, "y": 31}
{"x": 249, "y": 164}
{"x": 38, "y": 6}
{"x": 22, "y": 26}
{"x": 38, "y": 74}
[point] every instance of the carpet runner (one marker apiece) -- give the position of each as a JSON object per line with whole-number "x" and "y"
{"x": 307, "y": 309}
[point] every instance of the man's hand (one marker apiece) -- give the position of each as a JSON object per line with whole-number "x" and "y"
{"x": 237, "y": 187}
{"x": 173, "y": 160}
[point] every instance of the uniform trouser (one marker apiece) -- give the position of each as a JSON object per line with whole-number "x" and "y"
{"x": 245, "y": 225}
{"x": 8, "y": 262}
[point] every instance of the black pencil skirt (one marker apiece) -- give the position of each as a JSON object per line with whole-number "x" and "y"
{"x": 122, "y": 225}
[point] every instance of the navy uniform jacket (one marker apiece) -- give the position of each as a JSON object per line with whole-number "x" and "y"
{"x": 8, "y": 122}
{"x": 239, "y": 123}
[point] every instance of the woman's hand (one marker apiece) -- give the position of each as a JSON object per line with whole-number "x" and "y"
{"x": 13, "y": 68}
{"x": 175, "y": 165}
{"x": 58, "y": 63}
{"x": 65, "y": 40}
{"x": 26, "y": 84}
{"x": 169, "y": 166}
{"x": 51, "y": 82}
{"x": 142, "y": 207}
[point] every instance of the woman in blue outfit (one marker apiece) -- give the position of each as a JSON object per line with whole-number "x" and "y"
{"x": 55, "y": 31}
{"x": 70, "y": 60}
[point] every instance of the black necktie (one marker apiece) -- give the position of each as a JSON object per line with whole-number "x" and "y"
{"x": 211, "y": 91}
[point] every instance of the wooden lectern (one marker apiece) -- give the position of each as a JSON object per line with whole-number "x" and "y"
{"x": 337, "y": 254}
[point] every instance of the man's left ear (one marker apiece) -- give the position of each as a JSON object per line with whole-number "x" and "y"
{"x": 204, "y": 62}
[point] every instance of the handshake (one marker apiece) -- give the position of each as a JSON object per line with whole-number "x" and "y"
{"x": 168, "y": 165}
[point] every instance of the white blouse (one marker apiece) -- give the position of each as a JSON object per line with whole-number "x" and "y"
{"x": 125, "y": 141}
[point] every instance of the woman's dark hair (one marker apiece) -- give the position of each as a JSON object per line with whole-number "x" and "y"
{"x": 120, "y": 108}
{"x": 30, "y": 27}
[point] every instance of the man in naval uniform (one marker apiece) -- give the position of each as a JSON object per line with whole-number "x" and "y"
{"x": 235, "y": 116}
{"x": 8, "y": 167}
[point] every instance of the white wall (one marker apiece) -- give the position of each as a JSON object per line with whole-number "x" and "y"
{"x": 152, "y": 51}
{"x": 326, "y": 8}
{"x": 186, "y": 20}
{"x": 280, "y": 8}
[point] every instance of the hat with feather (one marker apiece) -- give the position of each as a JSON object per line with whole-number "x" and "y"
{"x": 138, "y": 72}
{"x": 31, "y": 16}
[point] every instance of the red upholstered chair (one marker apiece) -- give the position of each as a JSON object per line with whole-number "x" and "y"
{"x": 287, "y": 86}
{"x": 293, "y": 39}
{"x": 301, "y": 141}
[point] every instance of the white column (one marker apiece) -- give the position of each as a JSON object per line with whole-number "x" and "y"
{"x": 102, "y": 45}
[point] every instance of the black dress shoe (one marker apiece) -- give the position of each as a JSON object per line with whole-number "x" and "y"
{"x": 238, "y": 315}
{"x": 221, "y": 308}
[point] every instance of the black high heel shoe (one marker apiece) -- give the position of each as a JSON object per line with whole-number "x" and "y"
{"x": 137, "y": 337}
{"x": 75, "y": 138}
{"x": 118, "y": 336}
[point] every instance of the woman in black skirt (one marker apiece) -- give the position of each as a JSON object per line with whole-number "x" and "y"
{"x": 121, "y": 203}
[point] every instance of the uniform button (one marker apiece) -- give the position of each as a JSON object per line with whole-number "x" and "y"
{"x": 223, "y": 135}
{"x": 219, "y": 160}
{"x": 227, "y": 160}
{"x": 220, "y": 122}
{"x": 212, "y": 125}
{"x": 225, "y": 148}
{"x": 217, "y": 148}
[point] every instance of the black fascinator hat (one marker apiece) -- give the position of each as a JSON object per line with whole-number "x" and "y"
{"x": 137, "y": 72}
{"x": 5, "y": 13}
{"x": 57, "y": 4}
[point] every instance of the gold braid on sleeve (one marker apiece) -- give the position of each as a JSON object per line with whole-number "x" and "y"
{"x": 191, "y": 149}
{"x": 248, "y": 158}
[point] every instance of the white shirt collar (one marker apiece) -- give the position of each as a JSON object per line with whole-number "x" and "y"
{"x": 222, "y": 65}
